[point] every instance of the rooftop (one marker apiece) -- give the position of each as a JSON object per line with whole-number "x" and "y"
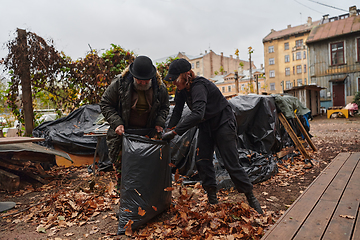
{"x": 291, "y": 30}
{"x": 335, "y": 28}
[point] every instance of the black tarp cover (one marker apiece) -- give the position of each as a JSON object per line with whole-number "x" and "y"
{"x": 256, "y": 122}
{"x": 68, "y": 132}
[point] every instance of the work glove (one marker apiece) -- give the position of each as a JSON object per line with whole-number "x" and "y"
{"x": 168, "y": 135}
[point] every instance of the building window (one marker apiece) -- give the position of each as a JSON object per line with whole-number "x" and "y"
{"x": 298, "y": 56}
{"x": 198, "y": 73}
{"x": 197, "y": 64}
{"x": 298, "y": 43}
{"x": 229, "y": 88}
{"x": 223, "y": 89}
{"x": 294, "y": 70}
{"x": 286, "y": 46}
{"x": 304, "y": 57}
{"x": 271, "y": 49}
{"x": 298, "y": 69}
{"x": 337, "y": 53}
{"x": 192, "y": 65}
{"x": 358, "y": 50}
{"x": 304, "y": 68}
{"x": 271, "y": 61}
{"x": 305, "y": 81}
{"x": 299, "y": 82}
{"x": 242, "y": 87}
{"x": 288, "y": 85}
{"x": 287, "y": 71}
{"x": 287, "y": 58}
{"x": 272, "y": 86}
{"x": 272, "y": 73}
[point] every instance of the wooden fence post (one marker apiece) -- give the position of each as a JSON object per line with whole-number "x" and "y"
{"x": 26, "y": 84}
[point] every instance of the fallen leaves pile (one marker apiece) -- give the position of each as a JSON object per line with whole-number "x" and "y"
{"x": 191, "y": 217}
{"x": 75, "y": 203}
{"x": 68, "y": 205}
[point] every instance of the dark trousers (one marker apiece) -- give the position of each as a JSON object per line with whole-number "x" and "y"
{"x": 225, "y": 140}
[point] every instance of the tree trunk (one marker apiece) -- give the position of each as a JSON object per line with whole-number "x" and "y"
{"x": 26, "y": 84}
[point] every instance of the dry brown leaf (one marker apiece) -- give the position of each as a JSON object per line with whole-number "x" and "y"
{"x": 155, "y": 208}
{"x": 141, "y": 212}
{"x": 347, "y": 216}
{"x": 128, "y": 230}
{"x": 177, "y": 175}
{"x": 168, "y": 189}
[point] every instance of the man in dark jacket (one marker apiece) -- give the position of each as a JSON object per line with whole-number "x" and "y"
{"x": 136, "y": 99}
{"x": 212, "y": 113}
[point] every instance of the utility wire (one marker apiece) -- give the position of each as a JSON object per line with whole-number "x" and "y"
{"x": 308, "y": 7}
{"x": 328, "y": 5}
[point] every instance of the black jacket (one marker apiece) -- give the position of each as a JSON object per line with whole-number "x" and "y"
{"x": 206, "y": 103}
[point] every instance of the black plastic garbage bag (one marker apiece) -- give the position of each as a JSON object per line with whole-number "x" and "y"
{"x": 145, "y": 175}
{"x": 259, "y": 167}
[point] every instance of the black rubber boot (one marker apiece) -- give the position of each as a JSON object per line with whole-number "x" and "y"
{"x": 253, "y": 202}
{"x": 211, "y": 193}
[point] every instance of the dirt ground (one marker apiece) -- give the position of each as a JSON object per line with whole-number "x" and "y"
{"x": 330, "y": 136}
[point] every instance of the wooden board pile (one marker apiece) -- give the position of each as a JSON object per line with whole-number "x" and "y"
{"x": 14, "y": 165}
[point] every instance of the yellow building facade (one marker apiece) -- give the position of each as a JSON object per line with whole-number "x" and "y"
{"x": 286, "y": 57}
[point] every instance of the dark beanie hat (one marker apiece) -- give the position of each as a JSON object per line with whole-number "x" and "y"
{"x": 177, "y": 67}
{"x": 142, "y": 68}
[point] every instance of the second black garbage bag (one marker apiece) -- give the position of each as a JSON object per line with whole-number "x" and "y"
{"x": 145, "y": 181}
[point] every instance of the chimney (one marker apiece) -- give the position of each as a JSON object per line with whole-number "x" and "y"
{"x": 325, "y": 18}
{"x": 222, "y": 54}
{"x": 205, "y": 51}
{"x": 231, "y": 57}
{"x": 352, "y": 11}
{"x": 289, "y": 26}
{"x": 261, "y": 66}
{"x": 273, "y": 30}
{"x": 309, "y": 21}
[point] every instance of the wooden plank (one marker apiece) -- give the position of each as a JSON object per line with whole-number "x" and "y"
{"x": 304, "y": 132}
{"x": 285, "y": 152}
{"x": 319, "y": 218}
{"x": 293, "y": 136}
{"x": 289, "y": 223}
{"x": 8, "y": 181}
{"x": 340, "y": 227}
{"x": 9, "y": 140}
{"x": 33, "y": 156}
{"x": 356, "y": 233}
{"x": 25, "y": 170}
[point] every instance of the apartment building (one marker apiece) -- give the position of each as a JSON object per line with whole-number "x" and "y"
{"x": 211, "y": 64}
{"x": 286, "y": 57}
{"x": 334, "y": 57}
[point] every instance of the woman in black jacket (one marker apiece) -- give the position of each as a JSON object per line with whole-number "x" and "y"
{"x": 212, "y": 113}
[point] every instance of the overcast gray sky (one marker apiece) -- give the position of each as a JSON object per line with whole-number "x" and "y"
{"x": 160, "y": 28}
